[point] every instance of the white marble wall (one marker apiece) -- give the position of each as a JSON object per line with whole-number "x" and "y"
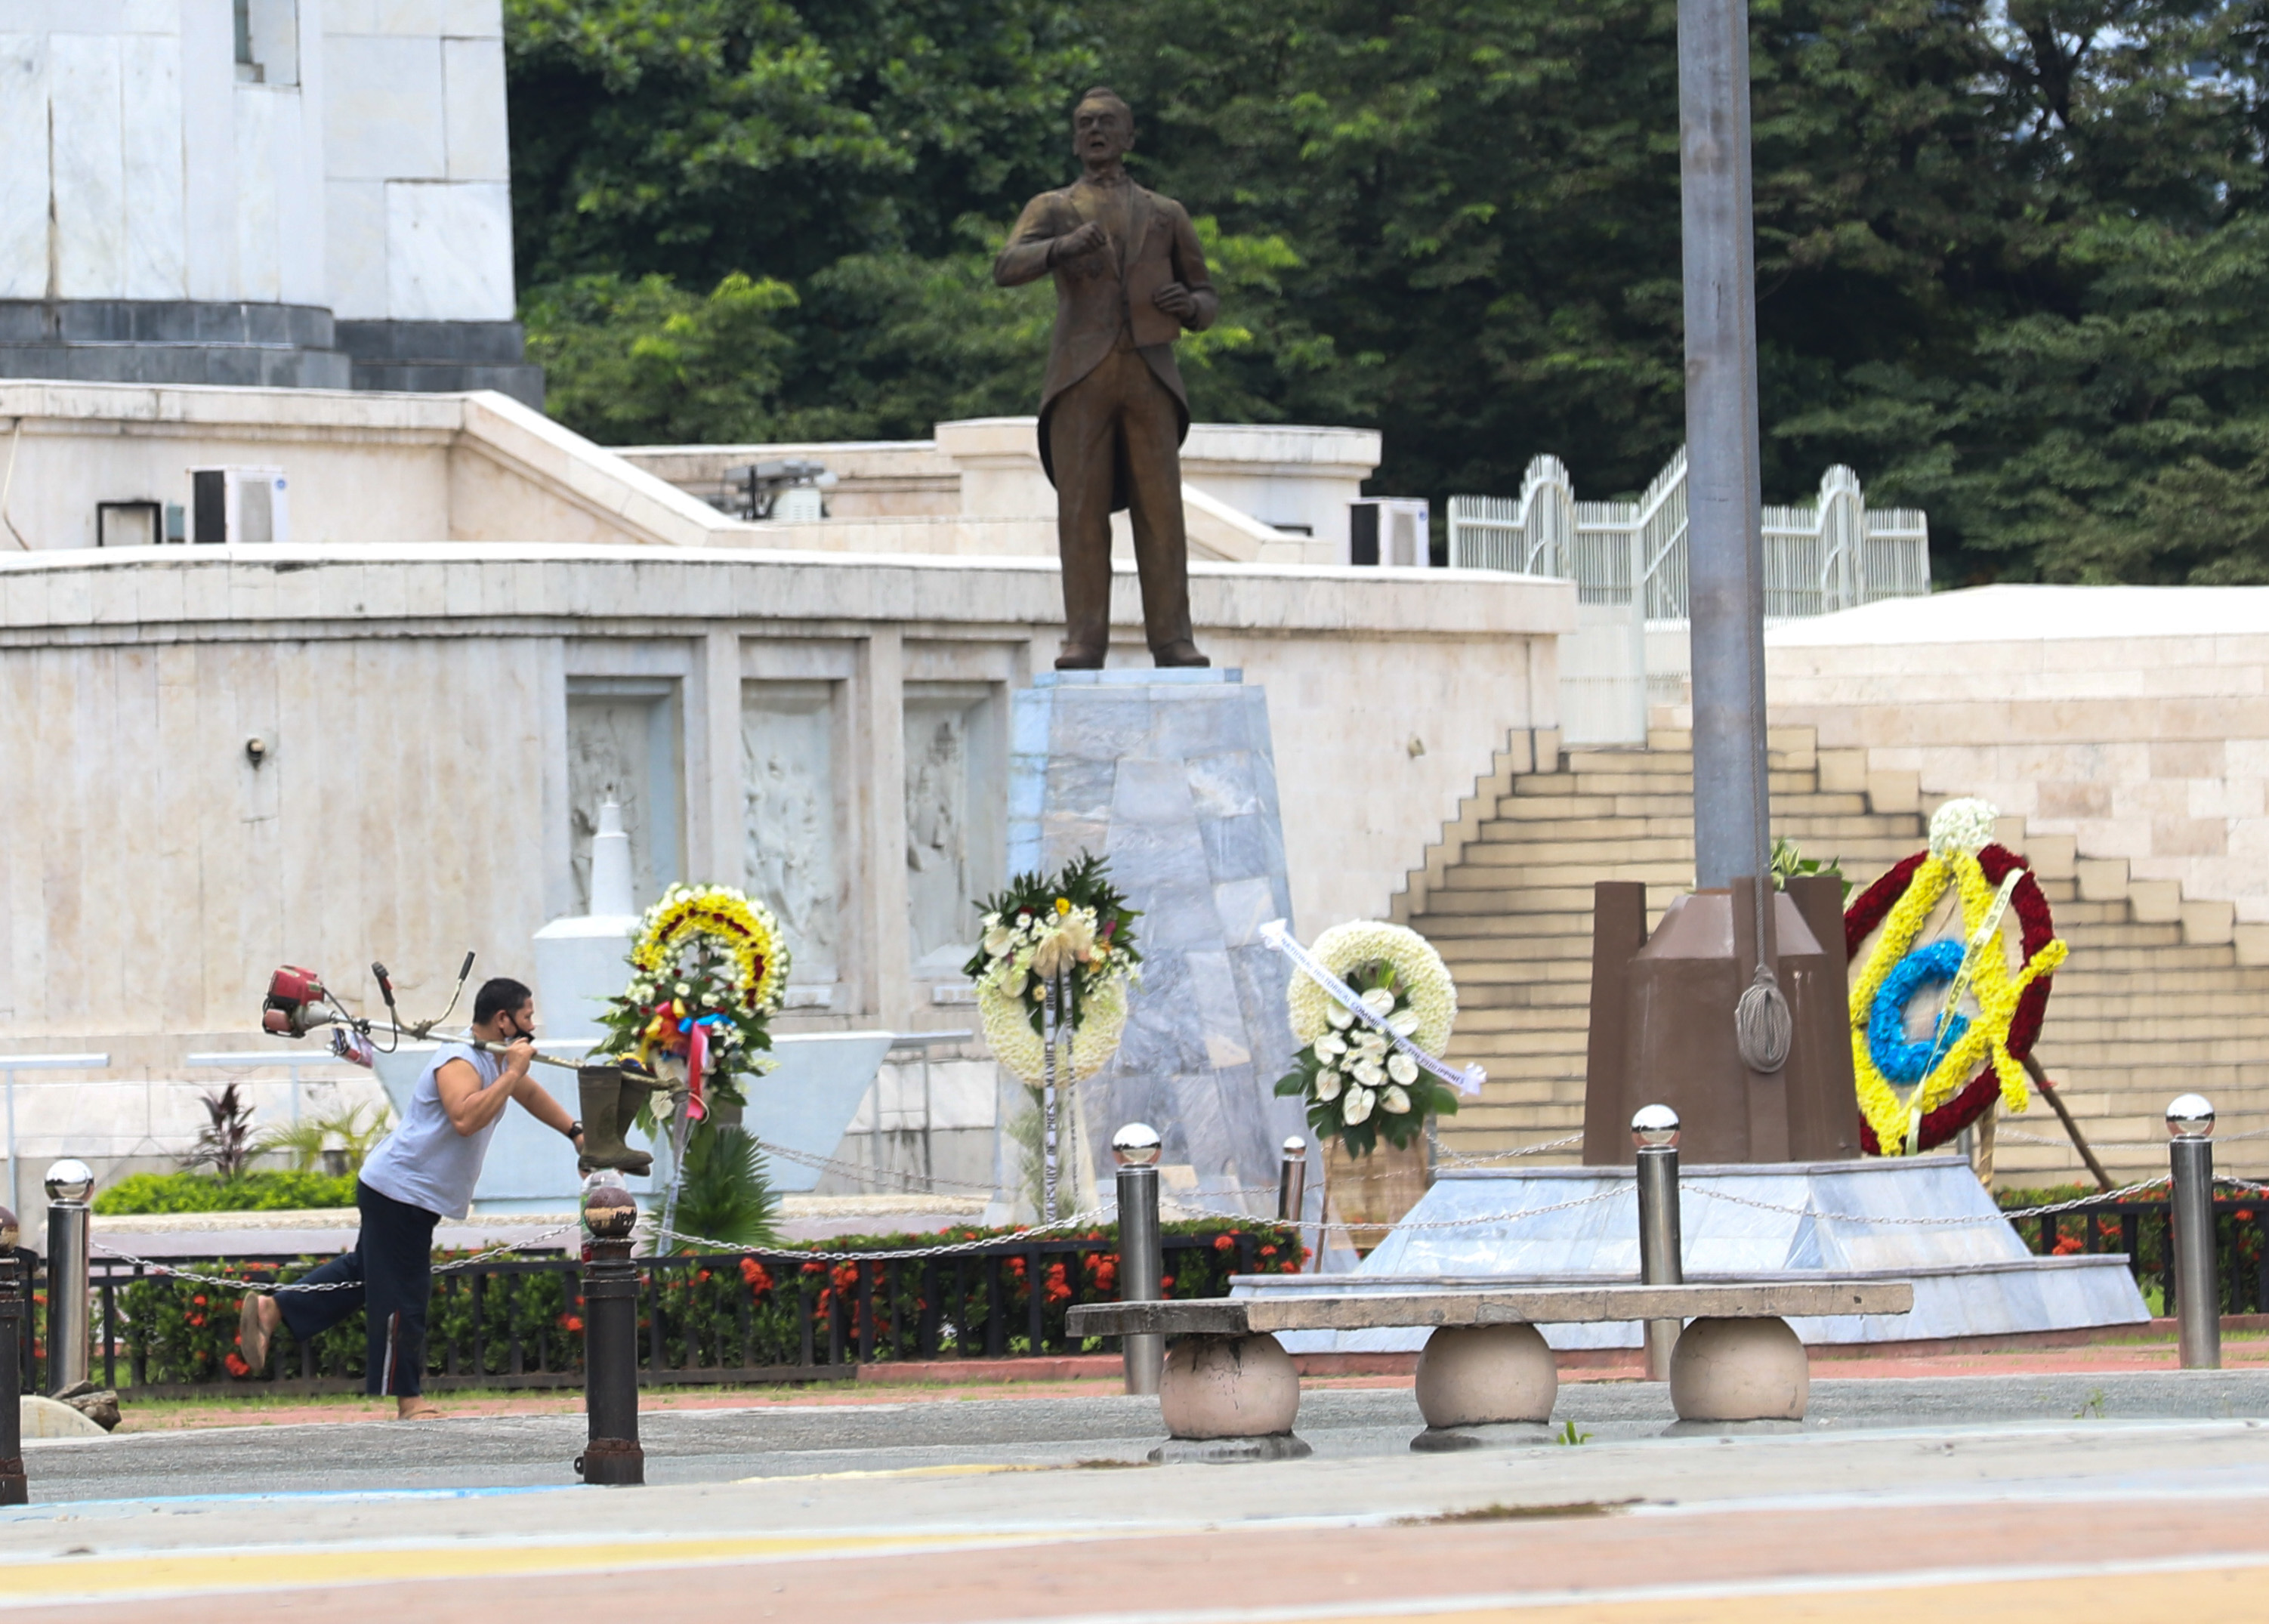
{"x": 2134, "y": 719}
{"x": 142, "y": 167}
{"x": 418, "y": 166}
{"x": 417, "y": 796}
{"x": 362, "y": 166}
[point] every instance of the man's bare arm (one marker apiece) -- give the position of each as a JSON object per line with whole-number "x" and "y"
{"x": 470, "y": 1107}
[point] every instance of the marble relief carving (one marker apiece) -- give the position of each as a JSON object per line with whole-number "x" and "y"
{"x": 790, "y": 850}
{"x": 953, "y": 820}
{"x": 621, "y": 746}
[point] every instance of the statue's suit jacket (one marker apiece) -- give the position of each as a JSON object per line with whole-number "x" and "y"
{"x": 1096, "y": 294}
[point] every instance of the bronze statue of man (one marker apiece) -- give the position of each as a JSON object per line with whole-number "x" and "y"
{"x": 1129, "y": 278}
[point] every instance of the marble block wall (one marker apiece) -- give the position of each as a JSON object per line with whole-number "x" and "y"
{"x": 1171, "y": 776}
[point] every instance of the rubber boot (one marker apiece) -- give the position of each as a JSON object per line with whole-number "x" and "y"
{"x": 610, "y": 1102}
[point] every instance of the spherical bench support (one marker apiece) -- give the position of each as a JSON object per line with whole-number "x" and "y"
{"x": 1480, "y": 1385}
{"x": 1228, "y": 1399}
{"x": 1739, "y": 1370}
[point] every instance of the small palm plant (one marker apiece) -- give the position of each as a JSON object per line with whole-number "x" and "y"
{"x": 226, "y": 1144}
{"x": 726, "y": 1195}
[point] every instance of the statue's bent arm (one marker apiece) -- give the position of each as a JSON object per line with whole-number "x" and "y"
{"x": 1025, "y": 259}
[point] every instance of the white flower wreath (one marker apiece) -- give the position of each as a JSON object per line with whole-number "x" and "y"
{"x": 1419, "y": 972}
{"x": 1009, "y": 1030}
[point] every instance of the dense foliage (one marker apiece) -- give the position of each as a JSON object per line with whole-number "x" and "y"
{"x": 2010, "y": 265}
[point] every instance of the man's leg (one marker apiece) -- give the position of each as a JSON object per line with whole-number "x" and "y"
{"x": 308, "y": 1313}
{"x": 1081, "y": 426}
{"x": 1151, "y": 424}
{"x": 397, "y": 1247}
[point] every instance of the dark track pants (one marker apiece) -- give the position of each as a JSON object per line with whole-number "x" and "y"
{"x": 392, "y": 1270}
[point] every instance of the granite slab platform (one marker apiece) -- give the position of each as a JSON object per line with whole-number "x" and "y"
{"x": 1924, "y": 1219}
{"x": 1172, "y": 776}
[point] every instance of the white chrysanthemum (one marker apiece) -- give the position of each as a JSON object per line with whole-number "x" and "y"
{"x": 1394, "y": 1102}
{"x": 1358, "y": 1106}
{"x": 1103, "y": 1021}
{"x": 1419, "y": 971}
{"x": 1965, "y": 825}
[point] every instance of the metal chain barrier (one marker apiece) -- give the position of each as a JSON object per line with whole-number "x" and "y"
{"x": 225, "y": 1283}
{"x": 1481, "y": 1158}
{"x": 2011, "y": 1215}
{"x": 1099, "y": 1214}
{"x": 829, "y": 1164}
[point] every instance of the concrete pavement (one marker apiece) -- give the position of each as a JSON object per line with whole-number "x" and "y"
{"x": 2066, "y": 1497}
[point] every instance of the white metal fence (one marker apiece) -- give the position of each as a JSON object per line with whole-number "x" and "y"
{"x": 1630, "y": 649}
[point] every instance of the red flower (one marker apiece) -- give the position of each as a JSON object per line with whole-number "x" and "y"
{"x": 1165, "y": 1283}
{"x": 1267, "y": 1252}
{"x": 759, "y": 1278}
{"x": 1059, "y": 1288}
{"x": 200, "y": 1302}
{"x": 570, "y": 1322}
{"x": 2066, "y": 1245}
{"x": 1222, "y": 1243}
{"x": 236, "y": 1365}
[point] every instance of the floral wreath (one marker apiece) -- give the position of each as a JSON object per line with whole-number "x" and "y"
{"x": 1914, "y": 1096}
{"x": 1358, "y": 1088}
{"x": 1070, "y": 938}
{"x": 707, "y": 970}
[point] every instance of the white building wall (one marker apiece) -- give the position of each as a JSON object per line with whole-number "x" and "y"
{"x": 418, "y": 163}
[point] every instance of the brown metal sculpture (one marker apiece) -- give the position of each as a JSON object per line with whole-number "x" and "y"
{"x": 1130, "y": 278}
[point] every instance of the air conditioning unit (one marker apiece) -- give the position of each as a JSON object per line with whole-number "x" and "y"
{"x": 239, "y": 505}
{"x": 1391, "y": 529}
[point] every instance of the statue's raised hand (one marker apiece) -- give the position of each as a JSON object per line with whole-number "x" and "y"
{"x": 1072, "y": 245}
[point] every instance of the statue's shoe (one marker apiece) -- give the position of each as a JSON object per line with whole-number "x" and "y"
{"x": 1180, "y": 653}
{"x": 1079, "y": 658}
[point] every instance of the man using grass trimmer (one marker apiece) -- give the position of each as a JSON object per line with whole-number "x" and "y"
{"x": 424, "y": 1171}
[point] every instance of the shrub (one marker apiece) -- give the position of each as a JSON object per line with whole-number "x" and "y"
{"x": 202, "y": 1193}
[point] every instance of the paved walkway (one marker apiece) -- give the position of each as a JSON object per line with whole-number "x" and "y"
{"x": 2048, "y": 1496}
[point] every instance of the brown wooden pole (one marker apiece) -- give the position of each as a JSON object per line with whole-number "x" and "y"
{"x": 2056, "y": 1103}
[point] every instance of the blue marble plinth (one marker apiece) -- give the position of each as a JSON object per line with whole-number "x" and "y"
{"x": 1170, "y": 776}
{"x": 1973, "y": 1279}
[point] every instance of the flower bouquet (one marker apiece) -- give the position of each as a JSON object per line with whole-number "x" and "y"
{"x": 1371, "y": 1071}
{"x": 1051, "y": 975}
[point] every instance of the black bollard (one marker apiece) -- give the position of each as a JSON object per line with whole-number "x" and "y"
{"x": 14, "y": 1489}
{"x": 610, "y": 1295}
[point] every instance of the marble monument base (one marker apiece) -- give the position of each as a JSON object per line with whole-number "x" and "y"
{"x": 1170, "y": 776}
{"x": 1973, "y": 1279}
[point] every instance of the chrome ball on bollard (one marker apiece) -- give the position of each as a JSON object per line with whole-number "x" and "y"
{"x": 1655, "y": 1127}
{"x": 1136, "y": 1145}
{"x": 69, "y": 1179}
{"x": 2191, "y": 1116}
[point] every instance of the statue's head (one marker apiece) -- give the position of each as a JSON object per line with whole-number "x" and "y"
{"x": 1102, "y": 127}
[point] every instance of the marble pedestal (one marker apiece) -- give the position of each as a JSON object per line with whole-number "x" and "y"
{"x": 1972, "y": 1279}
{"x": 1170, "y": 776}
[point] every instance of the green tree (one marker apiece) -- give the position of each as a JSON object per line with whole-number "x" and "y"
{"x": 697, "y": 138}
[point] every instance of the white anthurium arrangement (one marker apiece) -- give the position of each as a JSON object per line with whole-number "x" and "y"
{"x": 1357, "y": 1072}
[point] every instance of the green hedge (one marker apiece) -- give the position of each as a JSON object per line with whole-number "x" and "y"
{"x": 186, "y": 1332}
{"x": 203, "y": 1193}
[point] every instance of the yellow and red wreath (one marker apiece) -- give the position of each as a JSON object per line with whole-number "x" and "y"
{"x": 1951, "y": 954}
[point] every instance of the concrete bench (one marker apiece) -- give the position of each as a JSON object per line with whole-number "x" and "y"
{"x": 1230, "y": 1391}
